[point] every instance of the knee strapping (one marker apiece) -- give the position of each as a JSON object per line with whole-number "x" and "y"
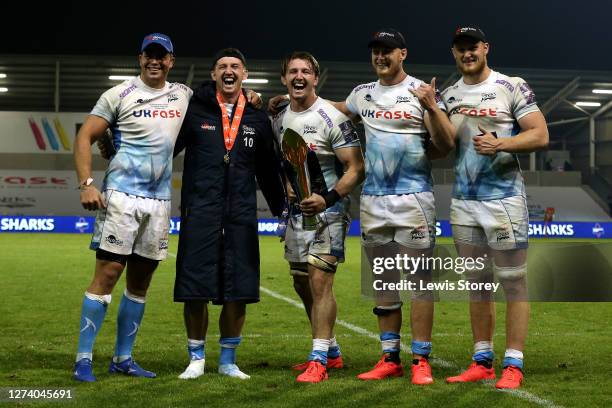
{"x": 510, "y": 272}
{"x": 322, "y": 264}
{"x": 386, "y": 310}
{"x": 298, "y": 268}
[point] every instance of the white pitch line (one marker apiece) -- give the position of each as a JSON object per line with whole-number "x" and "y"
{"x": 435, "y": 361}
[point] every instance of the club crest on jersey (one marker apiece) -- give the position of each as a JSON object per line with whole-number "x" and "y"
{"x": 248, "y": 130}
{"x": 488, "y": 96}
{"x": 309, "y": 130}
{"x": 403, "y": 99}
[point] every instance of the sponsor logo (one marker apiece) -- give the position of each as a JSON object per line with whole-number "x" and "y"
{"x": 81, "y": 225}
{"x": 27, "y": 224}
{"x": 488, "y": 96}
{"x": 267, "y": 226}
{"x": 478, "y": 112}
{"x": 111, "y": 239}
{"x": 392, "y": 115}
{"x": 367, "y": 97}
{"x": 505, "y": 83}
{"x": 598, "y": 230}
{"x": 33, "y": 181}
{"x": 364, "y": 86}
{"x": 348, "y": 131}
{"x": 502, "y": 234}
{"x": 527, "y": 93}
{"x": 127, "y": 91}
{"x": 143, "y": 100}
{"x": 384, "y": 34}
{"x": 163, "y": 244}
{"x": 174, "y": 226}
{"x": 157, "y": 113}
{"x": 418, "y": 232}
{"x": 17, "y": 202}
{"x": 172, "y": 97}
{"x": 326, "y": 118}
{"x": 403, "y": 99}
{"x": 248, "y": 130}
{"x": 452, "y": 100}
{"x": 207, "y": 126}
{"x": 551, "y": 229}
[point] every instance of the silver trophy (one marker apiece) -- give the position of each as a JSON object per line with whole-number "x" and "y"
{"x": 295, "y": 152}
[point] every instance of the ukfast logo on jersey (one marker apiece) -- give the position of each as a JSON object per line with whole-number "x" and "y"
{"x": 391, "y": 115}
{"x": 157, "y": 113}
{"x": 475, "y": 112}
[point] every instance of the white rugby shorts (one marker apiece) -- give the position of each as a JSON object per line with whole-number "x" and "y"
{"x": 131, "y": 224}
{"x": 501, "y": 224}
{"x": 408, "y": 219}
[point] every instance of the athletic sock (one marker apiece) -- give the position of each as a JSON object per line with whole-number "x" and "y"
{"x": 320, "y": 348}
{"x": 129, "y": 317}
{"x": 196, "y": 349}
{"x": 228, "y": 349}
{"x": 422, "y": 348}
{"x": 513, "y": 357}
{"x": 390, "y": 343}
{"x": 334, "y": 348}
{"x": 92, "y": 315}
{"x": 483, "y": 353}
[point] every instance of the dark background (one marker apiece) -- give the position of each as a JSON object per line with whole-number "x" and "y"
{"x": 538, "y": 34}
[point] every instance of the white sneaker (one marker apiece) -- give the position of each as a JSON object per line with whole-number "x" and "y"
{"x": 195, "y": 369}
{"x": 232, "y": 370}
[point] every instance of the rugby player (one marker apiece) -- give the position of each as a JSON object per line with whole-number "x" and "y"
{"x": 144, "y": 114}
{"x": 404, "y": 122}
{"x": 496, "y": 117}
{"x": 313, "y": 256}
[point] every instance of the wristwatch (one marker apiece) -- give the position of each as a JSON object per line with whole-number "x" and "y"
{"x": 88, "y": 182}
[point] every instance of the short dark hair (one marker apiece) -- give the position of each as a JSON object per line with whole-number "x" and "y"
{"x": 228, "y": 52}
{"x": 303, "y": 55}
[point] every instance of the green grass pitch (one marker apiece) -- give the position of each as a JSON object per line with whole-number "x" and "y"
{"x": 568, "y": 354}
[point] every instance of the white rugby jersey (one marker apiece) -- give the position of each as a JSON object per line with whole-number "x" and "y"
{"x": 396, "y": 137}
{"x": 145, "y": 123}
{"x": 497, "y": 104}
{"x": 324, "y": 129}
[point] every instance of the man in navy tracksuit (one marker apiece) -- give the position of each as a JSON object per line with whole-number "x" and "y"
{"x": 228, "y": 145}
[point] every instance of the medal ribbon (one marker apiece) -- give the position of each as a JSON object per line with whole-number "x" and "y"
{"x": 230, "y": 132}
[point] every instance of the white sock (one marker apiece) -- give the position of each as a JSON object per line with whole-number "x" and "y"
{"x": 195, "y": 369}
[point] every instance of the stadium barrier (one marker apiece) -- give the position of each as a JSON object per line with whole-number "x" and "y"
{"x": 267, "y": 226}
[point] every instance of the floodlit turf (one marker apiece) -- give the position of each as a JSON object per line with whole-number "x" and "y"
{"x": 568, "y": 354}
